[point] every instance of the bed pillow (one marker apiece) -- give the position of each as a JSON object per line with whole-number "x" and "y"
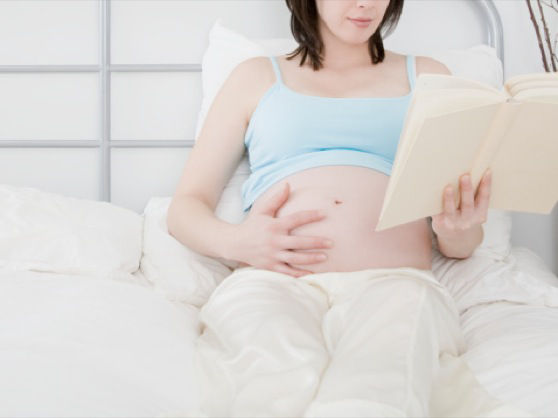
{"x": 42, "y": 231}
{"x": 226, "y": 49}
{"x": 175, "y": 271}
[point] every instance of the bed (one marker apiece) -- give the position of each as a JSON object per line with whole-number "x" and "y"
{"x": 99, "y": 304}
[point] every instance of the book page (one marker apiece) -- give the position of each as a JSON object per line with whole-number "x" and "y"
{"x": 429, "y": 81}
{"x": 436, "y": 103}
{"x": 546, "y": 95}
{"x": 437, "y": 94}
{"x": 539, "y": 84}
{"x": 444, "y": 148}
{"x": 440, "y": 102}
{"x": 525, "y": 169}
{"x": 498, "y": 131}
{"x": 513, "y": 82}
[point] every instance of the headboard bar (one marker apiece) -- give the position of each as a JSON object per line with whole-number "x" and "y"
{"x": 494, "y": 27}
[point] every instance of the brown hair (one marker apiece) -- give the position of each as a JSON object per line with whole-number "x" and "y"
{"x": 305, "y": 29}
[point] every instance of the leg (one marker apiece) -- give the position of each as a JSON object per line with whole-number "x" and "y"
{"x": 261, "y": 350}
{"x": 384, "y": 331}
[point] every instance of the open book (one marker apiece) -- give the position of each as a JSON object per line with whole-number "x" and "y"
{"x": 456, "y": 125}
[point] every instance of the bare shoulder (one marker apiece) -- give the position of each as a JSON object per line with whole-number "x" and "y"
{"x": 423, "y": 64}
{"x": 430, "y": 65}
{"x": 254, "y": 66}
{"x": 256, "y": 75}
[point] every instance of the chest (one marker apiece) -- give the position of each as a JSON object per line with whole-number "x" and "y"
{"x": 387, "y": 80}
{"x": 288, "y": 124}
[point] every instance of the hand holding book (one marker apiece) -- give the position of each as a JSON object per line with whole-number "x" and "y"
{"x": 472, "y": 211}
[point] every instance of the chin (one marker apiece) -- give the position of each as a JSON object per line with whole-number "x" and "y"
{"x": 357, "y": 40}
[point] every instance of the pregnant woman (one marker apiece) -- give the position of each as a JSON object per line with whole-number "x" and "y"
{"x": 367, "y": 330}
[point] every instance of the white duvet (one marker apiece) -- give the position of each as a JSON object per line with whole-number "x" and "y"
{"x": 73, "y": 345}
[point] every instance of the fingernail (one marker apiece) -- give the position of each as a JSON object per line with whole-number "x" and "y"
{"x": 465, "y": 178}
{"x": 321, "y": 257}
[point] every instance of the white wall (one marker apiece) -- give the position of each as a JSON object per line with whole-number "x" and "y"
{"x": 522, "y": 55}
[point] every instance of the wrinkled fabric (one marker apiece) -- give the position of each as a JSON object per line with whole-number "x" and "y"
{"x": 370, "y": 343}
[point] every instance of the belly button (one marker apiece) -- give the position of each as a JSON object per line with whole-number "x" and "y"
{"x": 337, "y": 202}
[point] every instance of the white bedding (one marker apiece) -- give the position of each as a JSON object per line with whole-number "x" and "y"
{"x": 74, "y": 346}
{"x": 77, "y": 346}
{"x": 513, "y": 345}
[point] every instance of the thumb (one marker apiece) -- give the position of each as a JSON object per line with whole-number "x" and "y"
{"x": 271, "y": 206}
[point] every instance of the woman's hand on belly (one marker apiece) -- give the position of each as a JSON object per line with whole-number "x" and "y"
{"x": 351, "y": 197}
{"x": 265, "y": 241}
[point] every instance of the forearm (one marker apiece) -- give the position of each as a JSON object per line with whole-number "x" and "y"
{"x": 193, "y": 223}
{"x": 463, "y": 245}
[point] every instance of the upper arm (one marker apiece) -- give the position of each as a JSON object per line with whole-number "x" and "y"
{"x": 430, "y": 65}
{"x": 220, "y": 143}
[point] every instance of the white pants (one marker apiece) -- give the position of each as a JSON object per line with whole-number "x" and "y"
{"x": 369, "y": 343}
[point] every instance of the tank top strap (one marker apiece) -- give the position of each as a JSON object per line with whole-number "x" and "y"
{"x": 411, "y": 70}
{"x": 276, "y": 69}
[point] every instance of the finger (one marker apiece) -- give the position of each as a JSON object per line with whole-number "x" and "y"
{"x": 467, "y": 197}
{"x": 293, "y": 242}
{"x": 449, "y": 201}
{"x": 482, "y": 198}
{"x": 300, "y": 218}
{"x": 284, "y": 268}
{"x": 294, "y": 257}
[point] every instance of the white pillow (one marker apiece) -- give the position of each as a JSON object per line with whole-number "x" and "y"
{"x": 228, "y": 48}
{"x": 175, "y": 271}
{"x": 479, "y": 62}
{"x": 41, "y": 231}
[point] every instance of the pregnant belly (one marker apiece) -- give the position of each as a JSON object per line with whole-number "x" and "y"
{"x": 352, "y": 197}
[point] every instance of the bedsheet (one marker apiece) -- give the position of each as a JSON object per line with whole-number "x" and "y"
{"x": 76, "y": 346}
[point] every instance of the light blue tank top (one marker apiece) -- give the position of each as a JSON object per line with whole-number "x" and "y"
{"x": 290, "y": 132}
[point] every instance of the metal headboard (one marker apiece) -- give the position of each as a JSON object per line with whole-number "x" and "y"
{"x": 493, "y": 25}
{"x": 486, "y": 9}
